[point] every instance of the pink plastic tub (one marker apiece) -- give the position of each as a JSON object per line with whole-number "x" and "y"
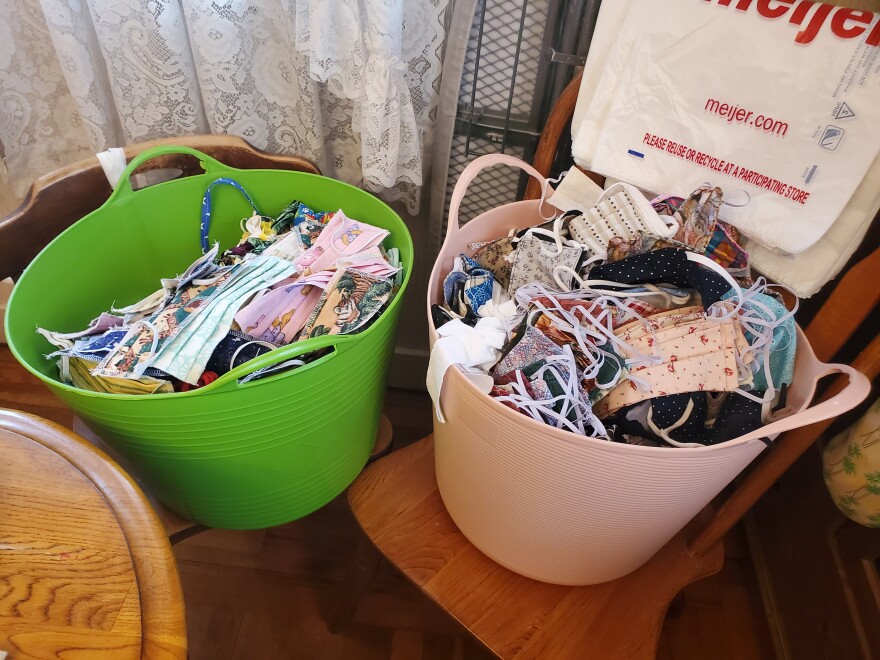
{"x": 566, "y": 509}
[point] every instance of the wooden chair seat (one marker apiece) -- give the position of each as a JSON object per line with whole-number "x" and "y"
{"x": 398, "y": 505}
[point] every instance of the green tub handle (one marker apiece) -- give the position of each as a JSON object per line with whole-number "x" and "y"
{"x": 231, "y": 380}
{"x": 123, "y": 191}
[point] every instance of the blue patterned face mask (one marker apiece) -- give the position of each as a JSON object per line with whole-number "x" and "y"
{"x": 179, "y": 339}
{"x": 187, "y": 354}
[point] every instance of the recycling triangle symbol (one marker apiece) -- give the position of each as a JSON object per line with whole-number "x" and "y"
{"x": 844, "y": 112}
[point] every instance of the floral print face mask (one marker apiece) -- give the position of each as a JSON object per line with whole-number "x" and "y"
{"x": 493, "y": 256}
{"x": 536, "y": 260}
{"x": 342, "y": 237}
{"x": 693, "y": 356}
{"x": 350, "y": 302}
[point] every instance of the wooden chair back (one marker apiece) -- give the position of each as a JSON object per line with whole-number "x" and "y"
{"x": 58, "y": 199}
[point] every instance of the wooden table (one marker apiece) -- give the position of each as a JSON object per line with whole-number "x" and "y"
{"x": 86, "y": 569}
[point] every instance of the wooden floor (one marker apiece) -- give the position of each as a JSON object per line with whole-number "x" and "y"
{"x": 264, "y": 595}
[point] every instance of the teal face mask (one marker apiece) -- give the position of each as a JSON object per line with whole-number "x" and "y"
{"x": 760, "y": 313}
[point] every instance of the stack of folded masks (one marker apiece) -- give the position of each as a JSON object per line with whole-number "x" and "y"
{"x": 300, "y": 275}
{"x": 634, "y": 321}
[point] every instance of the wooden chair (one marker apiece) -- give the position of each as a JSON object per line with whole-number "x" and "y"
{"x": 397, "y": 504}
{"x": 87, "y": 568}
{"x": 58, "y": 199}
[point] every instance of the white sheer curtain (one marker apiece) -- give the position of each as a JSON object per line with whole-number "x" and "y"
{"x": 351, "y": 84}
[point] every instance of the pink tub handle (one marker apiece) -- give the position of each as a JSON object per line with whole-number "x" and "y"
{"x": 853, "y": 394}
{"x": 470, "y": 173}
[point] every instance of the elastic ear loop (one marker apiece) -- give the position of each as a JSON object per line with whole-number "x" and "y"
{"x": 622, "y": 346}
{"x": 599, "y": 330}
{"x": 248, "y": 343}
{"x": 575, "y": 276}
{"x": 295, "y": 362}
{"x": 558, "y": 179}
{"x": 571, "y": 399}
{"x": 565, "y": 325}
{"x": 739, "y": 206}
{"x": 573, "y": 391}
{"x": 712, "y": 311}
{"x": 607, "y": 334}
{"x": 205, "y": 225}
{"x": 555, "y": 234}
{"x": 535, "y": 409}
{"x": 664, "y": 433}
{"x": 571, "y": 324}
{"x": 545, "y": 186}
{"x": 588, "y": 284}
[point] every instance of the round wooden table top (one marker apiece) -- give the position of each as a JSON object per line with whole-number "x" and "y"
{"x": 86, "y": 570}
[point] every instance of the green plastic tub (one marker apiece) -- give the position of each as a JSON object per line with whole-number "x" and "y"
{"x": 231, "y": 455}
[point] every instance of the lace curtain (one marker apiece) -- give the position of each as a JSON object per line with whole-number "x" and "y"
{"x": 351, "y": 84}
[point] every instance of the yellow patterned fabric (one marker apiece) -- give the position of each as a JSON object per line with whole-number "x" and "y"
{"x": 852, "y": 469}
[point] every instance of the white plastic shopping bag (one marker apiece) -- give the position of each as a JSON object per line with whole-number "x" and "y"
{"x": 778, "y": 99}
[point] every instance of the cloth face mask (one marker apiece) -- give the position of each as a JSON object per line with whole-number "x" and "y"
{"x": 342, "y": 237}
{"x": 530, "y": 347}
{"x": 493, "y": 256}
{"x": 350, "y": 301}
{"x": 703, "y": 360}
{"x": 703, "y": 230}
{"x": 295, "y": 214}
{"x": 96, "y": 326}
{"x": 609, "y": 373}
{"x": 235, "y": 349}
{"x": 478, "y": 286}
{"x": 81, "y": 377}
{"x": 148, "y": 335}
{"x": 288, "y": 247}
{"x": 698, "y": 216}
{"x": 666, "y": 266}
{"x": 670, "y": 318}
{"x": 576, "y": 191}
{"x": 783, "y": 345}
{"x": 185, "y": 357}
{"x": 625, "y": 214}
{"x": 279, "y": 315}
{"x": 534, "y": 261}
